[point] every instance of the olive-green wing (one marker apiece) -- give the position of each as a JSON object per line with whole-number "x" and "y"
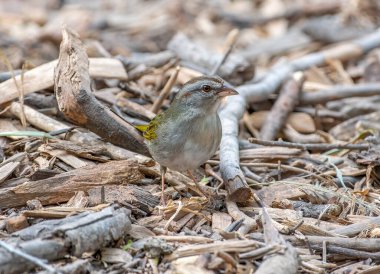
{"x": 149, "y": 131}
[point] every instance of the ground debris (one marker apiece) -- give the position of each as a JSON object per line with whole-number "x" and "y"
{"x": 294, "y": 187}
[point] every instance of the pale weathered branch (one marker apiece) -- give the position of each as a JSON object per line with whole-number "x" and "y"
{"x": 234, "y": 110}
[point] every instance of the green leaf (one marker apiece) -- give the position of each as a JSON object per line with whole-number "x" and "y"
{"x": 128, "y": 245}
{"x": 339, "y": 174}
{"x": 204, "y": 181}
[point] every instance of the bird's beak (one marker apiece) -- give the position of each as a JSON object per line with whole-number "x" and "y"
{"x": 226, "y": 91}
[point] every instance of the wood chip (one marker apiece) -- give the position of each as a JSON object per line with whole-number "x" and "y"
{"x": 221, "y": 220}
{"x": 115, "y": 255}
{"x": 7, "y": 169}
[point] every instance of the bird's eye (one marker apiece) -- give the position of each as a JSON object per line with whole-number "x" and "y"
{"x": 206, "y": 88}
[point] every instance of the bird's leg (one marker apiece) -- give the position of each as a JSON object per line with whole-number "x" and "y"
{"x": 163, "y": 171}
{"x": 196, "y": 182}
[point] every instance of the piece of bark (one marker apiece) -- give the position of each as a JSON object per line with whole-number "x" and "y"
{"x": 62, "y": 187}
{"x": 76, "y": 101}
{"x": 234, "y": 110}
{"x": 235, "y": 70}
{"x": 283, "y": 106}
{"x": 86, "y": 232}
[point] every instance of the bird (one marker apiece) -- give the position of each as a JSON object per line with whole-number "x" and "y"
{"x": 189, "y": 131}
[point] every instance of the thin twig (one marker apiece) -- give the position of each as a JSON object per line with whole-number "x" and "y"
{"x": 30, "y": 258}
{"x": 260, "y": 252}
{"x": 21, "y": 95}
{"x": 249, "y": 174}
{"x": 20, "y": 91}
{"x": 309, "y": 146}
{"x": 227, "y": 258}
{"x": 180, "y": 206}
{"x": 165, "y": 91}
{"x": 293, "y": 229}
{"x": 5, "y": 110}
{"x": 231, "y": 41}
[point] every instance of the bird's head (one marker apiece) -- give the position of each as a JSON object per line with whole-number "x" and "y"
{"x": 204, "y": 93}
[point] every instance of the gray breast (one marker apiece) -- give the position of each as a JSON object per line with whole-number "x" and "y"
{"x": 189, "y": 146}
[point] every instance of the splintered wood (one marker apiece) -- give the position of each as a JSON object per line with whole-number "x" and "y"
{"x": 293, "y": 188}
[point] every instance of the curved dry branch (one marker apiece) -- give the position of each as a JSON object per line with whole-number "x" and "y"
{"x": 72, "y": 87}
